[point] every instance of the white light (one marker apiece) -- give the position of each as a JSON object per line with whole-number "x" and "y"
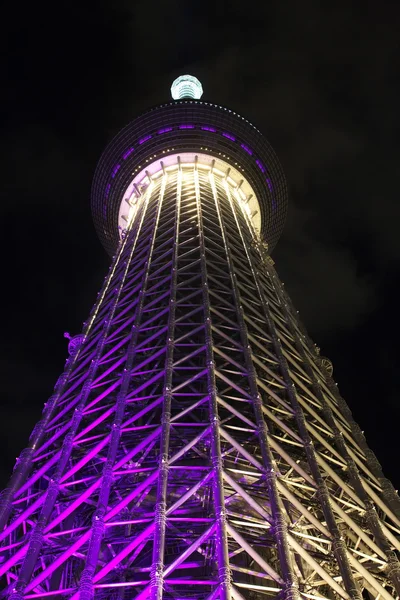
{"x": 186, "y": 86}
{"x": 135, "y": 192}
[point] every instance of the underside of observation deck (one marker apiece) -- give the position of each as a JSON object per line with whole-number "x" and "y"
{"x": 188, "y": 126}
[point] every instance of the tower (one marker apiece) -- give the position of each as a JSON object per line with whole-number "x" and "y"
{"x": 195, "y": 445}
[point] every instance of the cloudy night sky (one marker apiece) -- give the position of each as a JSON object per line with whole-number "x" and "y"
{"x": 322, "y": 84}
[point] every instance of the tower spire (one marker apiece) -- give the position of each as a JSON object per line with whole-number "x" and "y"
{"x": 186, "y": 86}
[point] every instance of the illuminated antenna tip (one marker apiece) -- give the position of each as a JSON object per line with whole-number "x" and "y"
{"x": 186, "y": 86}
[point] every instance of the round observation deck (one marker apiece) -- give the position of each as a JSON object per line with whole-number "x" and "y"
{"x": 188, "y": 126}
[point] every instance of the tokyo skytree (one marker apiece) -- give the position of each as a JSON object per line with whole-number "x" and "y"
{"x": 196, "y": 445}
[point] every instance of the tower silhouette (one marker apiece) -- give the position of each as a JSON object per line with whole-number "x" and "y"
{"x": 196, "y": 445}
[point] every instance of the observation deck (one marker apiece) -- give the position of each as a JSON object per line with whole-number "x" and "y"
{"x": 189, "y": 127}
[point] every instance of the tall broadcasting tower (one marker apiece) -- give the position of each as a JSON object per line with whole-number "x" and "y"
{"x": 196, "y": 446}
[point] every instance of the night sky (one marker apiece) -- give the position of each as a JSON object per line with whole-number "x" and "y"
{"x": 322, "y": 84}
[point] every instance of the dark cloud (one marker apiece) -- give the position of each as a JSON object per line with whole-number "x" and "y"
{"x": 322, "y": 276}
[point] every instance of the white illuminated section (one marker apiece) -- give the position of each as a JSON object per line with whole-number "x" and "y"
{"x": 186, "y": 86}
{"x": 239, "y": 186}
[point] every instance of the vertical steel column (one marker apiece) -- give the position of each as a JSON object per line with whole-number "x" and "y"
{"x": 224, "y": 573}
{"x": 371, "y": 515}
{"x": 157, "y": 570}
{"x": 86, "y": 589}
{"x": 389, "y": 492}
{"x": 338, "y": 544}
{"x": 36, "y": 539}
{"x": 24, "y": 462}
{"x": 285, "y": 559}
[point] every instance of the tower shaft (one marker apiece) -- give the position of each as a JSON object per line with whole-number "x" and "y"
{"x": 195, "y": 446}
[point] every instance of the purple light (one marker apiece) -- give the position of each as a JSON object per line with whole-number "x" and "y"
{"x": 269, "y": 184}
{"x": 115, "y": 170}
{"x": 229, "y": 136}
{"x": 108, "y": 189}
{"x": 247, "y": 149}
{"x": 143, "y": 140}
{"x": 260, "y": 166}
{"x": 208, "y": 128}
{"x": 128, "y": 153}
{"x": 53, "y": 593}
{"x": 164, "y": 130}
{"x": 186, "y": 126}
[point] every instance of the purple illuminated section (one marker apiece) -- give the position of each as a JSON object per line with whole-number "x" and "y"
{"x": 247, "y": 149}
{"x": 164, "y": 130}
{"x": 270, "y": 187}
{"x": 186, "y": 126}
{"x": 115, "y": 170}
{"x": 229, "y": 136}
{"x": 128, "y": 153}
{"x": 208, "y": 128}
{"x": 108, "y": 189}
{"x": 260, "y": 166}
{"x": 143, "y": 140}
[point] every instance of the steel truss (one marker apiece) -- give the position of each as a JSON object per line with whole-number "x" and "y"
{"x": 195, "y": 445}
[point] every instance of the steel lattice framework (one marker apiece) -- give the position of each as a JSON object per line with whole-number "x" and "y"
{"x": 196, "y": 445}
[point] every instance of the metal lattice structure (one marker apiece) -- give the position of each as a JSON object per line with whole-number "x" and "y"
{"x": 196, "y": 445}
